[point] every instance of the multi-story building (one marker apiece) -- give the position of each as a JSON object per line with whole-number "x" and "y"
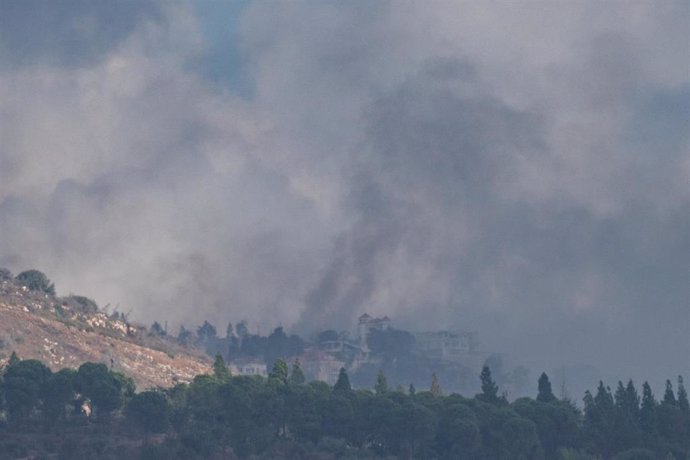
{"x": 446, "y": 345}
{"x": 249, "y": 368}
{"x": 319, "y": 365}
{"x": 366, "y": 324}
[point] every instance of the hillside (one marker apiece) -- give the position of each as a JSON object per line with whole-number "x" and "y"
{"x": 66, "y": 332}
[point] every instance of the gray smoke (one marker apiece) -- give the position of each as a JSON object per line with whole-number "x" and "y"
{"x": 518, "y": 169}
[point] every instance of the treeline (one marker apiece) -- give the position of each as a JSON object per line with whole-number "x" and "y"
{"x": 94, "y": 412}
{"x": 392, "y": 350}
{"x": 238, "y": 342}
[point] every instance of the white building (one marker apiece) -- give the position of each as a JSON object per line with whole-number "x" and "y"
{"x": 319, "y": 365}
{"x": 446, "y": 345}
{"x": 366, "y": 324}
{"x": 249, "y": 368}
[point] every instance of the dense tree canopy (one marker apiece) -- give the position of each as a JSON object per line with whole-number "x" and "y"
{"x": 221, "y": 416}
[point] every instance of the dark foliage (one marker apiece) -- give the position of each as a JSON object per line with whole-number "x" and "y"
{"x": 5, "y": 275}
{"x": 390, "y": 342}
{"x": 221, "y": 416}
{"x": 35, "y": 280}
{"x": 149, "y": 411}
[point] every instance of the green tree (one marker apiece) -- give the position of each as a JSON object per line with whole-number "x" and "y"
{"x": 557, "y": 422}
{"x": 626, "y": 416}
{"x": 682, "y": 396}
{"x": 489, "y": 388}
{"x": 149, "y": 411}
{"x": 684, "y": 407}
{"x": 670, "y": 417}
{"x": 126, "y": 384}
{"x": 411, "y": 390}
{"x": 599, "y": 419}
{"x": 545, "y": 393}
{"x": 279, "y": 346}
{"x": 242, "y": 329}
{"x": 458, "y": 431}
{"x": 5, "y": 275}
{"x": 343, "y": 382}
{"x": 381, "y": 386}
{"x": 22, "y": 384}
{"x": 106, "y": 390}
{"x": 184, "y": 336}
{"x": 669, "y": 397}
{"x": 220, "y": 369}
{"x": 157, "y": 329}
{"x": 604, "y": 399}
{"x": 648, "y": 410}
{"x": 35, "y": 280}
{"x": 435, "y": 386}
{"x": 297, "y": 376}
{"x": 206, "y": 332}
{"x": 58, "y": 393}
{"x": 279, "y": 373}
{"x": 632, "y": 400}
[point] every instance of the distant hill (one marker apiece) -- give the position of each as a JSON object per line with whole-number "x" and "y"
{"x": 68, "y": 331}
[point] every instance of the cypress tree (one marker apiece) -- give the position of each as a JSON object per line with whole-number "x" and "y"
{"x": 648, "y": 410}
{"x": 279, "y": 373}
{"x": 604, "y": 399}
{"x": 381, "y": 386}
{"x": 297, "y": 376}
{"x": 220, "y": 369}
{"x": 605, "y": 427}
{"x": 682, "y": 396}
{"x": 684, "y": 409}
{"x": 489, "y": 388}
{"x": 669, "y": 416}
{"x": 591, "y": 414}
{"x": 343, "y": 383}
{"x": 593, "y": 419}
{"x": 632, "y": 400}
{"x": 545, "y": 392}
{"x": 625, "y": 426}
{"x": 669, "y": 397}
{"x": 435, "y": 386}
{"x": 620, "y": 397}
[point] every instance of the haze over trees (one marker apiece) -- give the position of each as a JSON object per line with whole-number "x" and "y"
{"x": 94, "y": 412}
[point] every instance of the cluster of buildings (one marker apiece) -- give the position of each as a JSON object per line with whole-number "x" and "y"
{"x": 324, "y": 359}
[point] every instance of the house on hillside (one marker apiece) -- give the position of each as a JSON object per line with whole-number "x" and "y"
{"x": 446, "y": 345}
{"x": 367, "y": 323}
{"x": 319, "y": 365}
{"x": 248, "y": 367}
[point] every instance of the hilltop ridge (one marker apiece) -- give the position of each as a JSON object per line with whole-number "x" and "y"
{"x": 68, "y": 331}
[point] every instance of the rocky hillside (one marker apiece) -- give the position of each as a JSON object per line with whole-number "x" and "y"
{"x": 66, "y": 332}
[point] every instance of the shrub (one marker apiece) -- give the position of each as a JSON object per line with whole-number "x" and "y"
{"x": 5, "y": 275}
{"x": 81, "y": 303}
{"x": 36, "y": 281}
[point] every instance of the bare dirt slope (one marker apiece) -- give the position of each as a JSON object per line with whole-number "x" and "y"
{"x": 39, "y": 326}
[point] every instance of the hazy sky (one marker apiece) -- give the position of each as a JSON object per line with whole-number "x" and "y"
{"x": 521, "y": 169}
